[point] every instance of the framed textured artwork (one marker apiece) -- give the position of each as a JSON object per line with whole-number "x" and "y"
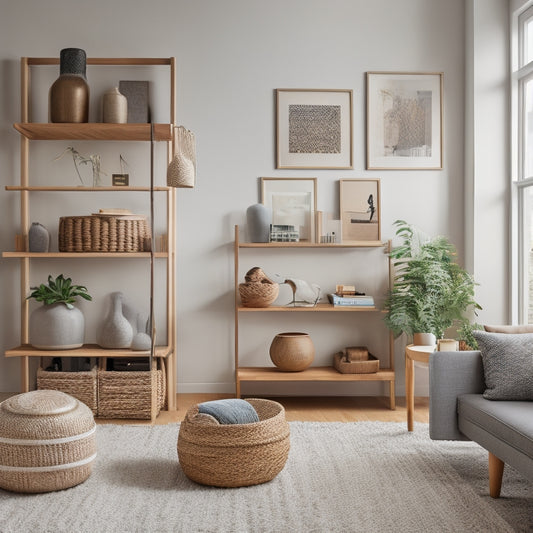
{"x": 293, "y": 204}
{"x": 404, "y": 120}
{"x": 360, "y": 210}
{"x": 314, "y": 128}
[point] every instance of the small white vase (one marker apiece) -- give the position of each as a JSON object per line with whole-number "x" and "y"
{"x": 115, "y": 106}
{"x": 116, "y": 331}
{"x": 56, "y": 327}
{"x": 258, "y": 218}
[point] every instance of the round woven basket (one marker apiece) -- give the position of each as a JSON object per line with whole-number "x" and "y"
{"x": 235, "y": 455}
{"x": 258, "y": 294}
{"x": 47, "y": 442}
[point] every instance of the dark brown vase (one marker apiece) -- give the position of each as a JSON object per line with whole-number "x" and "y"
{"x": 69, "y": 94}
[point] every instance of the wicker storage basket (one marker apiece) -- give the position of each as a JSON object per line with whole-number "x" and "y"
{"x": 258, "y": 294}
{"x": 47, "y": 442}
{"x": 369, "y": 366}
{"x": 235, "y": 455}
{"x": 131, "y": 394}
{"x": 80, "y": 385}
{"x": 104, "y": 233}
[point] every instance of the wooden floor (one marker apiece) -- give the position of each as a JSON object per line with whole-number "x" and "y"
{"x": 307, "y": 409}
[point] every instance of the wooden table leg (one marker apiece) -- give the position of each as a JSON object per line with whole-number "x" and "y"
{"x": 409, "y": 390}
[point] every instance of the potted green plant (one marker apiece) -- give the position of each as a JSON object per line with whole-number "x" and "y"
{"x": 430, "y": 291}
{"x": 57, "y": 324}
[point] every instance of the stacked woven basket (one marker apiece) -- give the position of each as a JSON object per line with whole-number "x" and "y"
{"x": 259, "y": 290}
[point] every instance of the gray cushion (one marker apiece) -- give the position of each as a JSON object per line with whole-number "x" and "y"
{"x": 230, "y": 411}
{"x": 507, "y": 364}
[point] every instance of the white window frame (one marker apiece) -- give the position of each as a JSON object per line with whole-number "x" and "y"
{"x": 520, "y": 74}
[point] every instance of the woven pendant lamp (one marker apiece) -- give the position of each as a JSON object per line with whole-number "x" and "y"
{"x": 181, "y": 171}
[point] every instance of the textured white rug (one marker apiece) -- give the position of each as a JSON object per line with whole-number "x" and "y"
{"x": 340, "y": 477}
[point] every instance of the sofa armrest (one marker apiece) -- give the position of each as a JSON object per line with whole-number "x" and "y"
{"x": 451, "y": 374}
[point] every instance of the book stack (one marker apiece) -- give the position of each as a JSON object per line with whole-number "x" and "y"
{"x": 351, "y": 301}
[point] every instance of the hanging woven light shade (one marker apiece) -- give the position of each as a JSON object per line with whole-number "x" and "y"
{"x": 181, "y": 171}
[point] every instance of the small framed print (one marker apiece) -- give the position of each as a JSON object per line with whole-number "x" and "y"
{"x": 314, "y": 128}
{"x": 293, "y": 203}
{"x": 360, "y": 210}
{"x": 404, "y": 120}
{"x": 120, "y": 180}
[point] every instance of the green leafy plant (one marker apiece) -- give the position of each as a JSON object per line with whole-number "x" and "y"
{"x": 430, "y": 292}
{"x": 60, "y": 290}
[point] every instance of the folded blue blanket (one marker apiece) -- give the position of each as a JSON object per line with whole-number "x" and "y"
{"x": 230, "y": 411}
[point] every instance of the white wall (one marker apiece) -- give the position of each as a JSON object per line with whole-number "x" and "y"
{"x": 231, "y": 55}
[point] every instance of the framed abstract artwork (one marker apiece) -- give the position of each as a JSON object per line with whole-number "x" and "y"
{"x": 360, "y": 210}
{"x": 404, "y": 120}
{"x": 293, "y": 203}
{"x": 314, "y": 128}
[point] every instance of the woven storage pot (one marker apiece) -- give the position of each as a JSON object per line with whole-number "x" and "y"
{"x": 80, "y": 385}
{"x": 104, "y": 233}
{"x": 258, "y": 294}
{"x": 235, "y": 455}
{"x": 47, "y": 442}
{"x": 131, "y": 394}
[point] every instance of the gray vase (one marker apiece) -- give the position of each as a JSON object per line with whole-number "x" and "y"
{"x": 258, "y": 218}
{"x": 116, "y": 331}
{"x": 38, "y": 238}
{"x": 56, "y": 327}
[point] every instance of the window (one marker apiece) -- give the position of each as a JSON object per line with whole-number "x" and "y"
{"x": 522, "y": 115}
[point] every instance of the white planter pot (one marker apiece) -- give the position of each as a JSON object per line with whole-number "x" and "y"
{"x": 424, "y": 339}
{"x": 56, "y": 327}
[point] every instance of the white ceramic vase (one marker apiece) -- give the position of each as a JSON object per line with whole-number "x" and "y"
{"x": 116, "y": 331}
{"x": 115, "y": 107}
{"x": 258, "y": 219}
{"x": 56, "y": 327}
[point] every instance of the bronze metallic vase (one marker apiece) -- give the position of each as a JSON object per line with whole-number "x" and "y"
{"x": 69, "y": 94}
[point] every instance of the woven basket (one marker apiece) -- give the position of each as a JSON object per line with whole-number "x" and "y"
{"x": 47, "y": 442}
{"x": 235, "y": 455}
{"x": 80, "y": 385}
{"x": 131, "y": 394}
{"x": 369, "y": 366}
{"x": 258, "y": 294}
{"x": 104, "y": 233}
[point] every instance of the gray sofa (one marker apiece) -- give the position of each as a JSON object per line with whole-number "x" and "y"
{"x": 458, "y": 411}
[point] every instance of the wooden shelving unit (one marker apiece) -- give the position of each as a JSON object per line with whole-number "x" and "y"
{"x": 313, "y": 373}
{"x": 147, "y": 133}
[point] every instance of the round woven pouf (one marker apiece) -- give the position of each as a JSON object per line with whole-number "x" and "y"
{"x": 235, "y": 455}
{"x": 47, "y": 442}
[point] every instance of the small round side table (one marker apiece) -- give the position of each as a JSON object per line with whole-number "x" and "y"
{"x": 413, "y": 353}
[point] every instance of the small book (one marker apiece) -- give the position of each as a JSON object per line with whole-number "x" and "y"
{"x": 351, "y": 301}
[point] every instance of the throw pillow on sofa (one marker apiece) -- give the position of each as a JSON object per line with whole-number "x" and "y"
{"x": 507, "y": 364}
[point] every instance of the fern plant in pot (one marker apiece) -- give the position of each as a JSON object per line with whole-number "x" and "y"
{"x": 430, "y": 291}
{"x": 57, "y": 324}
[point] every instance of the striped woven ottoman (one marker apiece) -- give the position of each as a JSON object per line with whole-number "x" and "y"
{"x": 47, "y": 442}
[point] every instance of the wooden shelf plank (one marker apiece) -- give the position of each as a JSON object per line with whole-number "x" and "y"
{"x": 314, "y": 373}
{"x": 321, "y": 307}
{"x": 92, "y": 131}
{"x": 83, "y": 189}
{"x": 84, "y": 255}
{"x": 354, "y": 244}
{"x": 125, "y": 61}
{"x": 87, "y": 350}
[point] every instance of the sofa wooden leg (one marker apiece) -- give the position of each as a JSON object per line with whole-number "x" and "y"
{"x": 495, "y": 475}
